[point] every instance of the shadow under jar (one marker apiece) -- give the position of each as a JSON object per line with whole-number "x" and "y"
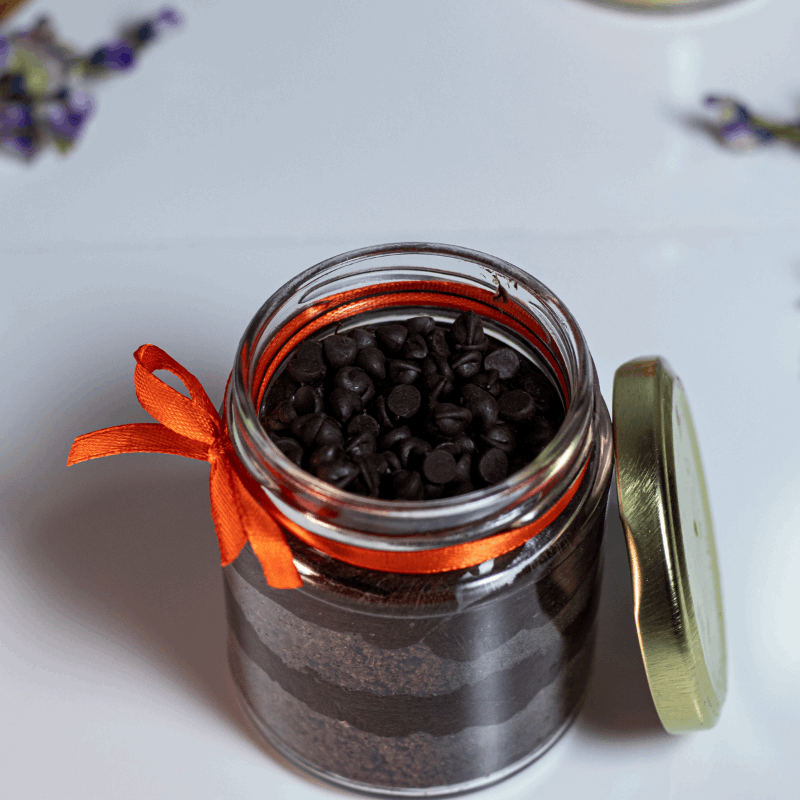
{"x": 442, "y": 682}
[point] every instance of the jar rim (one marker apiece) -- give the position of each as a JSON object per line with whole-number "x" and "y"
{"x": 559, "y": 462}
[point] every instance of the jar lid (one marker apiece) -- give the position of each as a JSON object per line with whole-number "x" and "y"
{"x": 667, "y": 522}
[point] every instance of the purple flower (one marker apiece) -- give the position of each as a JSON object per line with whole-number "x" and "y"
{"x": 737, "y": 128}
{"x": 742, "y": 136}
{"x": 148, "y": 30}
{"x": 66, "y": 120}
{"x": 14, "y": 116}
{"x": 729, "y": 110}
{"x": 168, "y": 18}
{"x": 117, "y": 55}
{"x": 17, "y": 130}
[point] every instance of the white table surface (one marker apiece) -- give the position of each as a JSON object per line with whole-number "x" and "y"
{"x": 262, "y": 138}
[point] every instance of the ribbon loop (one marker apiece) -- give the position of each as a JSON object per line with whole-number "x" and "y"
{"x": 194, "y": 417}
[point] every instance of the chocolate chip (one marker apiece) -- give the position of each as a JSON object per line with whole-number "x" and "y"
{"x": 407, "y": 485}
{"x": 434, "y": 368}
{"x": 283, "y": 388}
{"x": 324, "y": 455}
{"x": 340, "y": 472}
{"x": 340, "y": 350}
{"x": 404, "y": 401}
{"x": 500, "y": 437}
{"x": 420, "y": 325}
{"x": 356, "y": 380}
{"x": 516, "y": 406}
{"x": 493, "y": 466}
{"x": 376, "y": 461}
{"x": 372, "y": 467}
{"x": 489, "y": 382}
{"x": 389, "y": 440}
{"x": 463, "y": 467}
{"x": 540, "y": 389}
{"x": 400, "y": 371}
{"x": 482, "y": 405}
{"x": 411, "y": 450}
{"x": 505, "y": 361}
{"x": 307, "y": 364}
{"x": 307, "y": 400}
{"x": 449, "y": 447}
{"x": 291, "y": 448}
{"x": 437, "y": 343}
{"x": 464, "y": 443}
{"x": 467, "y": 330}
{"x": 361, "y": 445}
{"x": 441, "y": 389}
{"x": 362, "y": 337}
{"x": 414, "y": 347}
{"x": 373, "y": 362}
{"x": 330, "y": 432}
{"x": 344, "y": 403}
{"x": 363, "y": 423}
{"x": 438, "y": 378}
{"x": 451, "y": 419}
{"x": 392, "y": 461}
{"x": 439, "y": 466}
{"x": 305, "y": 428}
{"x": 382, "y": 413}
{"x": 282, "y": 416}
{"x": 467, "y": 363}
{"x": 391, "y": 337}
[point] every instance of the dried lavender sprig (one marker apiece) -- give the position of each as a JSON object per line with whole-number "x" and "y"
{"x": 740, "y": 129}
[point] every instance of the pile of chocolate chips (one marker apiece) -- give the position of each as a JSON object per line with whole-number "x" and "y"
{"x": 411, "y": 411}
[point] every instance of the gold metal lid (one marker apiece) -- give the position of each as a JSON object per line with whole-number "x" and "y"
{"x": 667, "y": 521}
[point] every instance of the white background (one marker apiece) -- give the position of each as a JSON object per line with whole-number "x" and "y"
{"x": 262, "y": 138}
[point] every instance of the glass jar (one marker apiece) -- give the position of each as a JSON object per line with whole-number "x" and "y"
{"x": 422, "y": 684}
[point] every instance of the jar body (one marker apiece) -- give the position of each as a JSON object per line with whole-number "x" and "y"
{"x": 425, "y": 684}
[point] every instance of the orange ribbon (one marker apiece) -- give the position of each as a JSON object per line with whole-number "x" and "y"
{"x": 193, "y": 428}
{"x": 241, "y": 511}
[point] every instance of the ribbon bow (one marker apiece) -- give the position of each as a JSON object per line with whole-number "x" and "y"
{"x": 191, "y": 427}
